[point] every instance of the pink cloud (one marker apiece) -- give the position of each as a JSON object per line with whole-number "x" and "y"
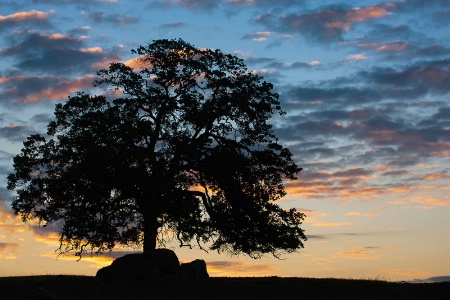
{"x": 31, "y": 89}
{"x": 33, "y": 15}
{"x": 362, "y": 14}
{"x": 394, "y": 47}
{"x": 332, "y": 224}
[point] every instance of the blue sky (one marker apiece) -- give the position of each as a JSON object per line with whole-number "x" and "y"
{"x": 366, "y": 88}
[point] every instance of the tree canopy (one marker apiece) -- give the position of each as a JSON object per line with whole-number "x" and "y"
{"x": 185, "y": 151}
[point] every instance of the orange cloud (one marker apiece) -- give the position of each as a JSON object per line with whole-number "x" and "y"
{"x": 442, "y": 154}
{"x": 352, "y": 214}
{"x": 311, "y": 216}
{"x": 94, "y": 261}
{"x": 368, "y": 46}
{"x": 9, "y": 223}
{"x": 356, "y": 57}
{"x": 92, "y": 50}
{"x": 370, "y": 12}
{"x": 356, "y": 15}
{"x": 397, "y": 202}
{"x": 8, "y": 250}
{"x": 59, "y": 91}
{"x": 357, "y": 254}
{"x": 394, "y": 47}
{"x": 371, "y": 214}
{"x": 382, "y": 168}
{"x": 134, "y": 63}
{"x": 238, "y": 269}
{"x": 331, "y": 224}
{"x": 428, "y": 202}
{"x": 435, "y": 176}
{"x": 414, "y": 272}
{"x": 25, "y": 16}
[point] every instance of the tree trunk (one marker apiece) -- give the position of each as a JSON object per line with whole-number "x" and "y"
{"x": 150, "y": 233}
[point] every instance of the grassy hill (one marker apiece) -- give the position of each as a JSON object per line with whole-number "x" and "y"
{"x": 56, "y": 287}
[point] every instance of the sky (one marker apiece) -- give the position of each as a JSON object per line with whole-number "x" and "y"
{"x": 366, "y": 90}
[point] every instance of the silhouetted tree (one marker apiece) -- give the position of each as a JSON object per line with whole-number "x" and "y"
{"x": 186, "y": 151}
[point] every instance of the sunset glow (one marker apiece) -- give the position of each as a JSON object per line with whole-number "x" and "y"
{"x": 366, "y": 90}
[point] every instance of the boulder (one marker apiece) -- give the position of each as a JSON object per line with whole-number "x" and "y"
{"x": 194, "y": 271}
{"x": 162, "y": 264}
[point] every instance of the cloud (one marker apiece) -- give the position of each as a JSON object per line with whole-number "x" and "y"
{"x": 406, "y": 273}
{"x": 311, "y": 216}
{"x": 190, "y": 4}
{"x": 366, "y": 253}
{"x": 398, "y": 46}
{"x": 263, "y": 3}
{"x": 38, "y": 52}
{"x": 62, "y": 2}
{"x": 332, "y": 224}
{"x": 172, "y": 25}
{"x": 325, "y": 25}
{"x": 4, "y": 246}
{"x": 356, "y": 57}
{"x": 433, "y": 279}
{"x": 32, "y": 17}
{"x": 33, "y": 89}
{"x": 432, "y": 76}
{"x": 352, "y": 214}
{"x": 117, "y": 19}
{"x": 258, "y": 36}
{"x": 8, "y": 250}
{"x": 16, "y": 132}
{"x": 237, "y": 268}
{"x": 400, "y": 43}
{"x": 429, "y": 202}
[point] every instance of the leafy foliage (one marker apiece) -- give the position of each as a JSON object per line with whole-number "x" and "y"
{"x": 186, "y": 150}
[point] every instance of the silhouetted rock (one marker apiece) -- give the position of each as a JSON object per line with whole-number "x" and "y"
{"x": 194, "y": 271}
{"x": 162, "y": 264}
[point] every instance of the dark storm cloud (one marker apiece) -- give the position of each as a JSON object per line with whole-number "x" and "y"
{"x": 53, "y": 53}
{"x": 322, "y": 26}
{"x": 117, "y": 19}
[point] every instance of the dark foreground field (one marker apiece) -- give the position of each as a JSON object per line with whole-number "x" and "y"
{"x": 85, "y": 287}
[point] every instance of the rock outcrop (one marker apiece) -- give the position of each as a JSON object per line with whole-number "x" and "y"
{"x": 162, "y": 264}
{"x": 194, "y": 271}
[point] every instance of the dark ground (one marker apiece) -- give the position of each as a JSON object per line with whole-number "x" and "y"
{"x": 86, "y": 287}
